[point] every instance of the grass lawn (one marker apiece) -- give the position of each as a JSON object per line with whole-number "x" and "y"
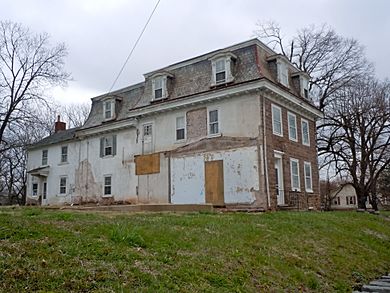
{"x": 59, "y": 251}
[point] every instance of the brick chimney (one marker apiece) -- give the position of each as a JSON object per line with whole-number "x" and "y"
{"x": 59, "y": 126}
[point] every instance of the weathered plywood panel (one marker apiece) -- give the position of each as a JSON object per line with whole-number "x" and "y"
{"x": 147, "y": 164}
{"x": 240, "y": 173}
{"x": 214, "y": 182}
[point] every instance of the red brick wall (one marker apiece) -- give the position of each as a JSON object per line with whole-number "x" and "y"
{"x": 291, "y": 149}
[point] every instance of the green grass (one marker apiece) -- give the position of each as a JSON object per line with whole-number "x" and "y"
{"x": 61, "y": 251}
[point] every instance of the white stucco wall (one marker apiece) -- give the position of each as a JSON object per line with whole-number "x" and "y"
{"x": 240, "y": 170}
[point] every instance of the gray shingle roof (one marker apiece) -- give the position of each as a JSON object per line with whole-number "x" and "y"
{"x": 58, "y": 137}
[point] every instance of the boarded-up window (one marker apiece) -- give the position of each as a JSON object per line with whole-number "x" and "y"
{"x": 147, "y": 164}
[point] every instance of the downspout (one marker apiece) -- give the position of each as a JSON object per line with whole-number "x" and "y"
{"x": 169, "y": 178}
{"x": 265, "y": 156}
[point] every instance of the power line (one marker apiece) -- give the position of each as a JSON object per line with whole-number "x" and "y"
{"x": 135, "y": 45}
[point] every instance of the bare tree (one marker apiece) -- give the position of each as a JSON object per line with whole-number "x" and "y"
{"x": 28, "y": 67}
{"x": 331, "y": 60}
{"x": 74, "y": 115}
{"x": 355, "y": 137}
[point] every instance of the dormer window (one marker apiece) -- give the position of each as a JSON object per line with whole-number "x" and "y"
{"x": 304, "y": 87}
{"x": 222, "y": 68}
{"x": 158, "y": 87}
{"x": 109, "y": 109}
{"x": 220, "y": 71}
{"x": 283, "y": 72}
{"x": 160, "y": 83}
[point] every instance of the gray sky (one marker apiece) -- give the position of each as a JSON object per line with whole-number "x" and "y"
{"x": 100, "y": 33}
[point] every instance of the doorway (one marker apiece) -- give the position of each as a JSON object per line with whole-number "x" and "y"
{"x": 214, "y": 182}
{"x": 279, "y": 186}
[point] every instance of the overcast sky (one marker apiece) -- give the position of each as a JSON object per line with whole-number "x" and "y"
{"x": 100, "y": 33}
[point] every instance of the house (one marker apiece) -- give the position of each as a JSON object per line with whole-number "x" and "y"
{"x": 344, "y": 197}
{"x": 231, "y": 127}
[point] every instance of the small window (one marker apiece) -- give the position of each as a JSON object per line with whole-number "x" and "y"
{"x": 277, "y": 120}
{"x": 147, "y": 130}
{"x": 283, "y": 73}
{"x": 62, "y": 185}
{"x": 34, "y": 189}
{"x": 108, "y": 146}
{"x": 308, "y": 177}
{"x": 220, "y": 71}
{"x": 158, "y": 88}
{"x": 107, "y": 185}
{"x": 44, "y": 157}
{"x": 295, "y": 181}
{"x": 109, "y": 109}
{"x": 292, "y": 126}
{"x": 213, "y": 122}
{"x": 305, "y": 132}
{"x": 180, "y": 128}
{"x": 305, "y": 87}
{"x": 64, "y": 154}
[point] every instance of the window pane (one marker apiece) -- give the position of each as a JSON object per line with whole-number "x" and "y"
{"x": 220, "y": 65}
{"x": 158, "y": 82}
{"x": 214, "y": 128}
{"x": 158, "y": 94}
{"x": 213, "y": 115}
{"x": 107, "y": 111}
{"x": 179, "y": 134}
{"x": 220, "y": 76}
{"x": 308, "y": 180}
{"x": 179, "y": 122}
{"x": 44, "y": 157}
{"x": 294, "y": 175}
{"x": 305, "y": 132}
{"x": 107, "y": 180}
{"x": 107, "y": 190}
{"x": 147, "y": 130}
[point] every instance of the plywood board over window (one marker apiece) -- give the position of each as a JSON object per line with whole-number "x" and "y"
{"x": 147, "y": 164}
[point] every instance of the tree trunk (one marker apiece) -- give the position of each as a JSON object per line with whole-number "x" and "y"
{"x": 362, "y": 198}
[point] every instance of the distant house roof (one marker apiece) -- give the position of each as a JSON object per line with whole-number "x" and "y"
{"x": 58, "y": 137}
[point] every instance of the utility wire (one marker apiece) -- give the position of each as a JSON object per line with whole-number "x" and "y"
{"x": 135, "y": 45}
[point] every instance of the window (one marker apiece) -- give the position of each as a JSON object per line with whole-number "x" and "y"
{"x": 295, "y": 180}
{"x": 62, "y": 185}
{"x": 180, "y": 128}
{"x": 305, "y": 132}
{"x": 158, "y": 88}
{"x": 107, "y": 185}
{"x": 213, "y": 122}
{"x": 222, "y": 68}
{"x": 292, "y": 127}
{"x": 305, "y": 87}
{"x": 64, "y": 154}
{"x": 220, "y": 71}
{"x": 108, "y": 146}
{"x": 147, "y": 130}
{"x": 337, "y": 201}
{"x": 283, "y": 73}
{"x": 44, "y": 157}
{"x": 277, "y": 120}
{"x": 351, "y": 200}
{"x": 308, "y": 177}
{"x": 35, "y": 189}
{"x": 109, "y": 109}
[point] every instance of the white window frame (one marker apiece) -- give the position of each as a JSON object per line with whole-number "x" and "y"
{"x": 308, "y": 132}
{"x": 295, "y": 188}
{"x": 66, "y": 185}
{"x": 182, "y": 128}
{"x": 164, "y": 85}
{"x": 308, "y": 188}
{"x": 279, "y": 109}
{"x": 110, "y": 102}
{"x": 228, "y": 59}
{"x": 218, "y": 122}
{"x": 289, "y": 114}
{"x": 106, "y": 185}
{"x": 45, "y": 159}
{"x": 218, "y": 71}
{"x": 62, "y": 161}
